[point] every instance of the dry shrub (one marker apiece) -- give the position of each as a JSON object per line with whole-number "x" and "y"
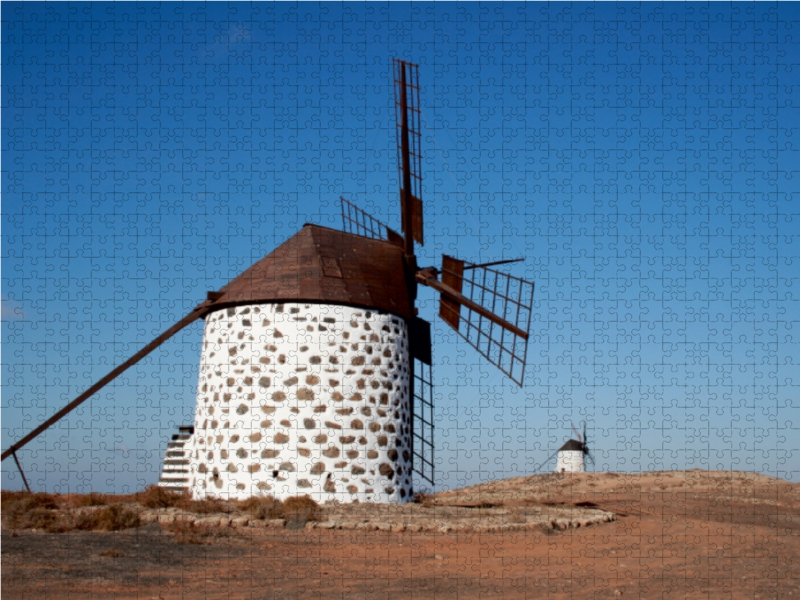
{"x": 262, "y": 507}
{"x": 109, "y": 518}
{"x": 92, "y": 499}
{"x": 299, "y": 510}
{"x": 204, "y": 507}
{"x": 154, "y": 496}
{"x": 23, "y": 510}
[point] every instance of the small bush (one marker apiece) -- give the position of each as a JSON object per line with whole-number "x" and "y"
{"x": 154, "y": 496}
{"x": 110, "y": 518}
{"x": 92, "y": 499}
{"x": 262, "y": 507}
{"x": 23, "y": 510}
{"x": 204, "y": 507}
{"x": 300, "y": 510}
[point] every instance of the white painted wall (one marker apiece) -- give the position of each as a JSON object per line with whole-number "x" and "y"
{"x": 300, "y": 399}
{"x": 570, "y": 461}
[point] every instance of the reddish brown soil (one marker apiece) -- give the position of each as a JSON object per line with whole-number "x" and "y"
{"x": 677, "y": 535}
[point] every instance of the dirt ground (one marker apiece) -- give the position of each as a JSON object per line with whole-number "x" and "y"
{"x": 693, "y": 534}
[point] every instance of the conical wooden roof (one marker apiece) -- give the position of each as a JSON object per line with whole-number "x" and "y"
{"x": 573, "y": 445}
{"x": 322, "y": 265}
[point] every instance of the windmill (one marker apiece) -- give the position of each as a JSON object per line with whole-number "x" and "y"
{"x": 315, "y": 372}
{"x": 570, "y": 457}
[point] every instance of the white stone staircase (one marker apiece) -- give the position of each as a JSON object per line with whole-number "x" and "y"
{"x": 175, "y": 471}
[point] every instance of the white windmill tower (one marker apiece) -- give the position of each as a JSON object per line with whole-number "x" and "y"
{"x": 570, "y": 457}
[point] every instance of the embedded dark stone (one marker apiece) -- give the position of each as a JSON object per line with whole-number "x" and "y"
{"x": 383, "y": 440}
{"x": 241, "y": 453}
{"x": 332, "y": 425}
{"x": 254, "y": 468}
{"x": 270, "y": 453}
{"x": 242, "y": 409}
{"x": 331, "y": 452}
{"x": 287, "y": 466}
{"x": 329, "y": 486}
{"x": 286, "y": 423}
{"x": 320, "y": 409}
{"x": 392, "y": 454}
{"x": 315, "y": 360}
{"x": 318, "y": 468}
{"x": 232, "y": 468}
{"x": 281, "y": 438}
{"x": 358, "y": 361}
{"x": 268, "y": 409}
{"x": 277, "y": 334}
{"x": 347, "y": 439}
{"x": 278, "y": 397}
{"x": 356, "y": 470}
{"x": 389, "y": 427}
{"x": 366, "y": 411}
{"x": 374, "y": 427}
{"x": 312, "y": 379}
{"x": 290, "y": 381}
{"x": 357, "y": 424}
{"x": 352, "y": 454}
{"x": 373, "y": 454}
{"x": 304, "y": 451}
{"x": 320, "y": 439}
{"x": 303, "y": 483}
{"x": 344, "y": 411}
{"x": 386, "y": 470}
{"x": 309, "y": 424}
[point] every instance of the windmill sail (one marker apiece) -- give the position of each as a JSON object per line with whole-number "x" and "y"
{"x": 489, "y": 309}
{"x": 422, "y": 420}
{"x": 360, "y": 222}
{"x": 409, "y": 149}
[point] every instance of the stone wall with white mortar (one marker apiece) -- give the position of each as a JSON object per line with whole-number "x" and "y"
{"x": 300, "y": 399}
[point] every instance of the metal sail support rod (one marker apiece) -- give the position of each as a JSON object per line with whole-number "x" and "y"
{"x": 473, "y": 306}
{"x": 197, "y": 313}
{"x": 493, "y": 264}
{"x": 21, "y": 472}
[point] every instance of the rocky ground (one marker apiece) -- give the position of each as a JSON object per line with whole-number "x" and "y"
{"x": 693, "y": 534}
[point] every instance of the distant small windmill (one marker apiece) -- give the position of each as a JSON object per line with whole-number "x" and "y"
{"x": 315, "y": 374}
{"x": 570, "y": 457}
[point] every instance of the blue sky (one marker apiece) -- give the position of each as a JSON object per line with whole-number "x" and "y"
{"x": 642, "y": 157}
